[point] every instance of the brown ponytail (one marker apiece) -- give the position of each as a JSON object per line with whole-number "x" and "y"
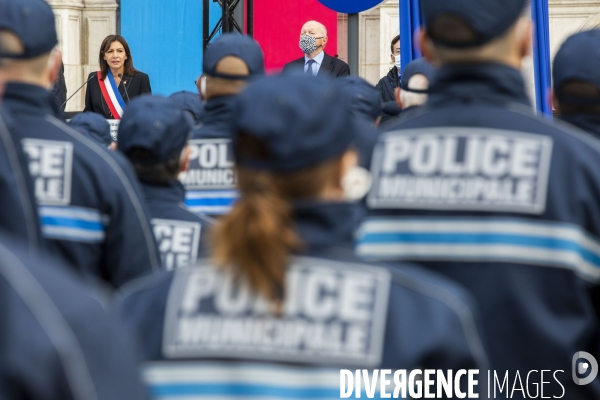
{"x": 257, "y": 237}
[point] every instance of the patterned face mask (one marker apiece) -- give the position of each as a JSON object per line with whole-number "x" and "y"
{"x": 308, "y": 44}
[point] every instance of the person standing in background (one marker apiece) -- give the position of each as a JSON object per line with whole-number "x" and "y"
{"x": 313, "y": 39}
{"x": 88, "y": 197}
{"x": 389, "y": 83}
{"x": 117, "y": 82}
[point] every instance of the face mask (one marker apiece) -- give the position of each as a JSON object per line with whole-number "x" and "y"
{"x": 308, "y": 44}
{"x": 397, "y": 60}
{"x": 356, "y": 183}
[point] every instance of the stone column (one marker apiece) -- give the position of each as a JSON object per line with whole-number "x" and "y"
{"x": 368, "y": 45}
{"x": 570, "y": 16}
{"x": 378, "y": 26}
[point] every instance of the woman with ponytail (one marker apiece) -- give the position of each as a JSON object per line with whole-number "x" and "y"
{"x": 282, "y": 304}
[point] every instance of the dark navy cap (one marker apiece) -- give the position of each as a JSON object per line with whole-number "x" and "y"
{"x": 154, "y": 123}
{"x": 189, "y": 101}
{"x": 578, "y": 59}
{"x": 238, "y": 45}
{"x": 365, "y": 100}
{"x": 302, "y": 121}
{"x": 33, "y": 23}
{"x": 92, "y": 125}
{"x": 487, "y": 19}
{"x": 420, "y": 66}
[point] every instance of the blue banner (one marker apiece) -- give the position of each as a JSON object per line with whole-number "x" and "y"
{"x": 541, "y": 55}
{"x": 410, "y": 23}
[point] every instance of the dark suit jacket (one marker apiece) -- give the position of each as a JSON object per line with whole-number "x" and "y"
{"x": 137, "y": 85}
{"x": 331, "y": 67}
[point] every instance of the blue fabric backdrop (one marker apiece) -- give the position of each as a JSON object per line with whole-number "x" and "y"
{"x": 410, "y": 22}
{"x": 166, "y": 40}
{"x": 541, "y": 55}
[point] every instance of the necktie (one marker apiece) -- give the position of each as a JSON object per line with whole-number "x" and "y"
{"x": 309, "y": 70}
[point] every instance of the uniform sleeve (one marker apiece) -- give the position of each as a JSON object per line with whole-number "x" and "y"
{"x": 131, "y": 251}
{"x": 113, "y": 360}
{"x": 18, "y": 209}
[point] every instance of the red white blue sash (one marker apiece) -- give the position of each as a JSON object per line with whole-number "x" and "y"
{"x": 111, "y": 94}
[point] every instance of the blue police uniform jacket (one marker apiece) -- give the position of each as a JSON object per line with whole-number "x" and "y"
{"x": 477, "y": 187}
{"x": 210, "y": 179}
{"x": 589, "y": 123}
{"x": 89, "y": 201}
{"x": 18, "y": 210}
{"x": 57, "y": 341}
{"x": 203, "y": 334}
{"x": 181, "y": 235}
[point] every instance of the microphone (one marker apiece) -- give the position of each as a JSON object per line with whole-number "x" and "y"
{"x": 80, "y": 87}
{"x": 125, "y": 86}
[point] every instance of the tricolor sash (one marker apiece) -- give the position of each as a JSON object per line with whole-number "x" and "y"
{"x": 111, "y": 94}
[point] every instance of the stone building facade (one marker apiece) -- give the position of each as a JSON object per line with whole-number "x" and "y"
{"x": 83, "y": 24}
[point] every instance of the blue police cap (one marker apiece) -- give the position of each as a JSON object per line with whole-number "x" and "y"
{"x": 301, "y": 120}
{"x": 365, "y": 100}
{"x": 189, "y": 101}
{"x": 419, "y": 66}
{"x": 577, "y": 60}
{"x": 485, "y": 19}
{"x": 32, "y": 21}
{"x": 237, "y": 45}
{"x": 154, "y": 123}
{"x": 94, "y": 126}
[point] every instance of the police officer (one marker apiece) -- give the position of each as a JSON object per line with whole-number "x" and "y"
{"x": 88, "y": 197}
{"x": 227, "y": 65}
{"x": 191, "y": 103}
{"x": 57, "y": 341}
{"x": 475, "y": 186}
{"x": 94, "y": 126}
{"x": 576, "y": 81}
{"x": 366, "y": 100}
{"x": 153, "y": 134}
{"x": 283, "y": 299}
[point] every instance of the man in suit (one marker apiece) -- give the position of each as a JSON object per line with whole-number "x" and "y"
{"x": 313, "y": 39}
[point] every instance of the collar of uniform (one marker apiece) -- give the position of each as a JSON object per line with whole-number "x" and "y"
{"x": 322, "y": 224}
{"x": 218, "y": 111}
{"x": 586, "y": 122}
{"x": 172, "y": 193}
{"x": 32, "y": 97}
{"x": 479, "y": 83}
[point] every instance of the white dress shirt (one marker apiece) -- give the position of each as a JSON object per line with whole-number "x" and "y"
{"x": 316, "y": 65}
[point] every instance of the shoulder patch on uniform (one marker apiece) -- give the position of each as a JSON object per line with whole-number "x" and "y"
{"x": 471, "y": 169}
{"x": 335, "y": 313}
{"x": 177, "y": 241}
{"x": 51, "y": 169}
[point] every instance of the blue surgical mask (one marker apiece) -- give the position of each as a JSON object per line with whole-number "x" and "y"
{"x": 397, "y": 60}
